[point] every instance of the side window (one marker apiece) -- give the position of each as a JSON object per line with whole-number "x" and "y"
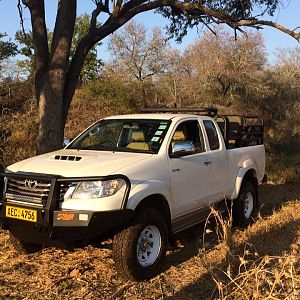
{"x": 189, "y": 131}
{"x": 212, "y": 134}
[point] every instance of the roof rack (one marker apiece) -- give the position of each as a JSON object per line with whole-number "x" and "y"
{"x": 211, "y": 112}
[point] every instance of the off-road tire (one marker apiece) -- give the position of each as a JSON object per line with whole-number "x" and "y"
{"x": 125, "y": 246}
{"x": 243, "y": 212}
{"x": 22, "y": 247}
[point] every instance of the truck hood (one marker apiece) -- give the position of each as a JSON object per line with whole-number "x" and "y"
{"x": 79, "y": 163}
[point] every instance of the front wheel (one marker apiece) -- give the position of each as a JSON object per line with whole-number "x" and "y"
{"x": 244, "y": 206}
{"x": 139, "y": 249}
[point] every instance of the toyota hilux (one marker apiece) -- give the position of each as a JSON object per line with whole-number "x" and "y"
{"x": 140, "y": 178}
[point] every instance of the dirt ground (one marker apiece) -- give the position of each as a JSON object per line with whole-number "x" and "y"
{"x": 89, "y": 273}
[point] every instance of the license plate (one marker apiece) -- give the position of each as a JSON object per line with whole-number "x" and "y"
{"x": 21, "y": 213}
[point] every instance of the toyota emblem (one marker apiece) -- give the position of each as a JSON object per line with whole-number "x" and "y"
{"x": 31, "y": 184}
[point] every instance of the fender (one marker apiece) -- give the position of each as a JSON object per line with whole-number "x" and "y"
{"x": 148, "y": 188}
{"x": 245, "y": 166}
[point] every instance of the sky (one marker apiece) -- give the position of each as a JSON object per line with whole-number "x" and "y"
{"x": 289, "y": 16}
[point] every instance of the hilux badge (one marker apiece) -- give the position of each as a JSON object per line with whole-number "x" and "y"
{"x": 31, "y": 184}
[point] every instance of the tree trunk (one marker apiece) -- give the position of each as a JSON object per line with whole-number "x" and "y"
{"x": 51, "y": 128}
{"x": 51, "y": 78}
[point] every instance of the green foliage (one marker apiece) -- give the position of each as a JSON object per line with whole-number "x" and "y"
{"x": 181, "y": 21}
{"x": 7, "y": 48}
{"x": 26, "y": 42}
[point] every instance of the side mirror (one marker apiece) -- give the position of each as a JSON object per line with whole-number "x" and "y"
{"x": 182, "y": 148}
{"x": 67, "y": 141}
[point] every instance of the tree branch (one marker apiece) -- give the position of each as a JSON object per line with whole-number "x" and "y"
{"x": 194, "y": 9}
{"x": 96, "y": 12}
{"x": 20, "y": 10}
{"x": 254, "y": 23}
{"x": 40, "y": 38}
{"x": 63, "y": 34}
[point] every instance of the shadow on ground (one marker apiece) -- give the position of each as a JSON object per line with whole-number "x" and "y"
{"x": 271, "y": 241}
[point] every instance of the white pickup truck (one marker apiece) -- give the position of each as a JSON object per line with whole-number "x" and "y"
{"x": 141, "y": 178}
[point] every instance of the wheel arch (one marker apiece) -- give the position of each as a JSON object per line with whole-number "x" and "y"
{"x": 245, "y": 175}
{"x": 158, "y": 202}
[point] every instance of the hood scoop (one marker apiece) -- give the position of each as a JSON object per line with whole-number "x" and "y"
{"x": 67, "y": 157}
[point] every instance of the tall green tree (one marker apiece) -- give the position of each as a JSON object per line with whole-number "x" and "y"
{"x": 56, "y": 75}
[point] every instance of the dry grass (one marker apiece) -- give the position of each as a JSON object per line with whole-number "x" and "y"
{"x": 259, "y": 262}
{"x": 256, "y": 263}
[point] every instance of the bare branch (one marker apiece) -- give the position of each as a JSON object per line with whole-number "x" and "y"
{"x": 95, "y": 14}
{"x": 105, "y": 7}
{"x": 20, "y": 10}
{"x": 257, "y": 23}
{"x": 209, "y": 28}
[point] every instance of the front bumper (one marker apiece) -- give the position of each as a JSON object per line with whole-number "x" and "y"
{"x": 63, "y": 228}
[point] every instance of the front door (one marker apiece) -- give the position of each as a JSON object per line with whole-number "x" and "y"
{"x": 191, "y": 173}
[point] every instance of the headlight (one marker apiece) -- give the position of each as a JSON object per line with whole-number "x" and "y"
{"x": 94, "y": 189}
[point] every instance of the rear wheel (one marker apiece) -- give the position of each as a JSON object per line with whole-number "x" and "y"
{"x": 139, "y": 249}
{"x": 244, "y": 206}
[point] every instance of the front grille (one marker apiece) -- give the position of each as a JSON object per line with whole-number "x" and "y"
{"x": 32, "y": 191}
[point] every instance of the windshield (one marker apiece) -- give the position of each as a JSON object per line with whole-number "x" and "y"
{"x": 131, "y": 135}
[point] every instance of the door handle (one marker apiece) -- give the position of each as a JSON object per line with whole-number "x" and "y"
{"x": 207, "y": 162}
{"x": 176, "y": 170}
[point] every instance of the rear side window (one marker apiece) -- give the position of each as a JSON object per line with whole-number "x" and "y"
{"x": 212, "y": 134}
